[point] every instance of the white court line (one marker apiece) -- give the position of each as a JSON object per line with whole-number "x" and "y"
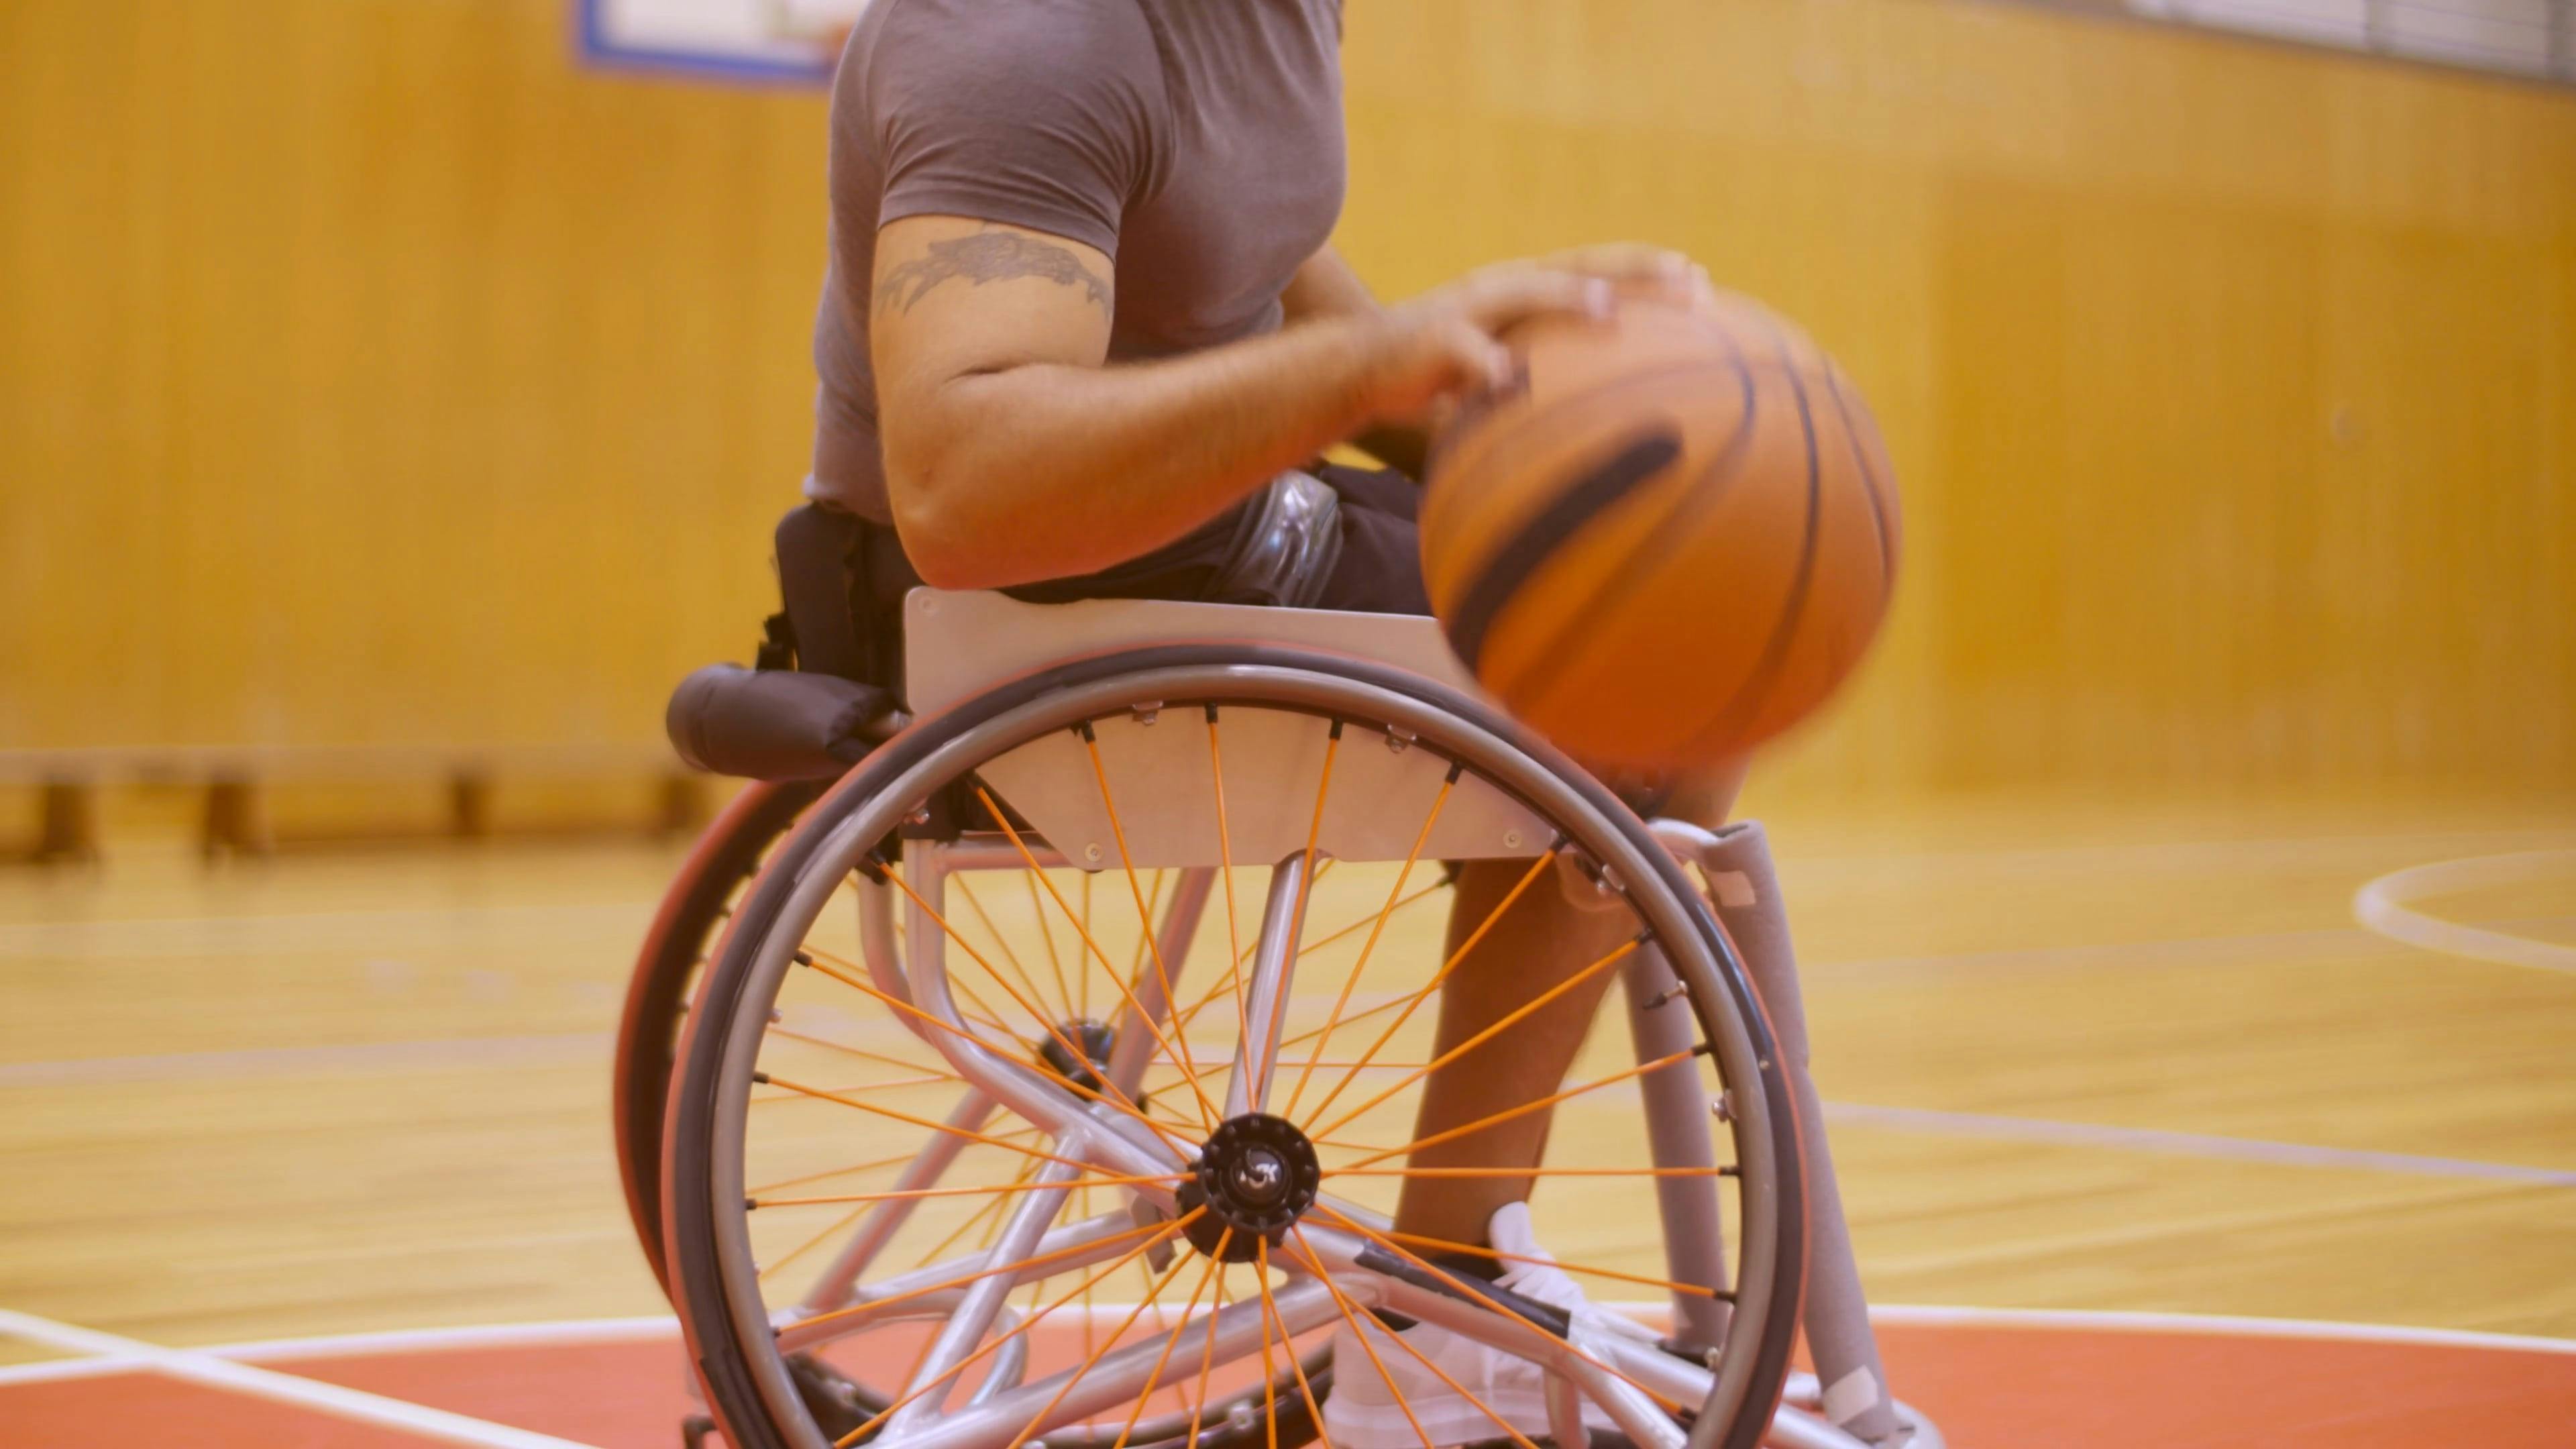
{"x": 2187, "y": 1144}
{"x": 1902, "y": 1315}
{"x": 1911, "y": 1315}
{"x": 487, "y": 1335}
{"x": 55, "y": 1370}
{"x": 350, "y": 1345}
{"x": 2381, "y": 906}
{"x": 221, "y": 1373}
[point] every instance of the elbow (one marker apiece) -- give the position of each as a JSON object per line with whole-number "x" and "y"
{"x": 943, "y": 536}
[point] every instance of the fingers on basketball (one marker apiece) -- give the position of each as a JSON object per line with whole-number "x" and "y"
{"x": 1672, "y": 541}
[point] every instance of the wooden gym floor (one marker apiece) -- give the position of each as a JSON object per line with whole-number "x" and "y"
{"x": 2104, "y": 1056}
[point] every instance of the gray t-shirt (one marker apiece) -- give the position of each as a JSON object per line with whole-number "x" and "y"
{"x": 1198, "y": 143}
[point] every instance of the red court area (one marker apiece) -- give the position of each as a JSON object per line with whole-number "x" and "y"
{"x": 1991, "y": 1381}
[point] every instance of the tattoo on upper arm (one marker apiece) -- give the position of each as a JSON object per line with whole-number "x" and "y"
{"x": 989, "y": 256}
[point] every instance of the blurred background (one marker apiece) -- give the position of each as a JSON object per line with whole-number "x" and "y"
{"x": 380, "y": 375}
{"x": 396, "y": 397}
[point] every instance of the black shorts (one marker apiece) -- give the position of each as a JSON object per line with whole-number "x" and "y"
{"x": 1379, "y": 570}
{"x": 844, "y": 577}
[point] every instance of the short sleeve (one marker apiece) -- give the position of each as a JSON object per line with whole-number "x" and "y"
{"x": 1036, "y": 113}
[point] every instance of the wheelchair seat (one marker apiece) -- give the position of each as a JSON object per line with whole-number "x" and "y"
{"x": 958, "y": 642}
{"x": 960, "y": 645}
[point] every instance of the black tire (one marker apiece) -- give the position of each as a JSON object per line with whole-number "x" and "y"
{"x": 693, "y": 913}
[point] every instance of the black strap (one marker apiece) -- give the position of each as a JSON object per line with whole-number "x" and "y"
{"x": 818, "y": 558}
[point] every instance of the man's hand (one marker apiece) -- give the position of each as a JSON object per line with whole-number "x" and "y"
{"x": 1448, "y": 341}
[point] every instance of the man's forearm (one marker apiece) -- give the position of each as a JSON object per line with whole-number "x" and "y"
{"x": 1325, "y": 286}
{"x": 1053, "y": 470}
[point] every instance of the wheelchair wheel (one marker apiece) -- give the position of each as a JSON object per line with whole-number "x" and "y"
{"x": 1057, "y": 1080}
{"x": 684, "y": 931}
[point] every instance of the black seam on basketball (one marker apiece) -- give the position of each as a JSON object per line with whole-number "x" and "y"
{"x": 1868, "y": 484}
{"x": 1537, "y": 417}
{"x": 1775, "y": 650}
{"x": 1546, "y": 661}
{"x": 1638, "y": 459}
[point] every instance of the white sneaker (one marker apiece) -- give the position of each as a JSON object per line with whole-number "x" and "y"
{"x": 1364, "y": 1411}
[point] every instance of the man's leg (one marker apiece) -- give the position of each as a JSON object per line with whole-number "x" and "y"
{"x": 1546, "y": 937}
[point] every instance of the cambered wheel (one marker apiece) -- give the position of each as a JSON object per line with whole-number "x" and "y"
{"x": 693, "y": 914}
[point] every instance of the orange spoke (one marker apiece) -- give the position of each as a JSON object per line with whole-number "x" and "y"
{"x": 1445, "y": 1245}
{"x": 1225, "y": 866}
{"x": 1269, "y": 1314}
{"x": 1325, "y": 1062}
{"x": 992, "y": 1015}
{"x": 1153, "y": 948}
{"x": 1224, "y": 985}
{"x": 944, "y": 1285}
{"x": 1153, "y": 903}
{"x": 989, "y": 1141}
{"x": 991, "y": 1210}
{"x": 801, "y": 1249}
{"x": 1270, "y": 1306}
{"x": 1046, "y": 933}
{"x": 1510, "y": 1019}
{"x": 1082, "y": 1205}
{"x": 912, "y": 1193}
{"x": 892, "y": 1061}
{"x": 1235, "y": 972}
{"x": 1207, "y": 1110}
{"x": 967, "y": 890}
{"x": 827, "y": 963}
{"x": 929, "y": 1341}
{"x": 868, "y": 1087}
{"x": 1207, "y": 1357}
{"x": 1354, "y": 1019}
{"x": 1072, "y": 1052}
{"x": 1297, "y": 920}
{"x": 994, "y": 1344}
{"x": 1359, "y": 1333}
{"x": 1458, "y": 1388}
{"x": 860, "y": 1167}
{"x": 1523, "y": 1110}
{"x": 1461, "y": 1285}
{"x": 1545, "y": 859}
{"x": 1393, "y": 895}
{"x": 1031, "y": 1427}
{"x": 993, "y": 1229}
{"x": 1171, "y": 1342}
{"x": 1269, "y": 1374}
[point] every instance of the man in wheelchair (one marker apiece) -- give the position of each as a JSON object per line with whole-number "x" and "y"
{"x": 1083, "y": 335}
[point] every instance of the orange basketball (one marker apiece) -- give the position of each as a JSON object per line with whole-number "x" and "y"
{"x": 1670, "y": 539}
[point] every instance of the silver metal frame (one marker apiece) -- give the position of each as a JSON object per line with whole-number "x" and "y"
{"x": 915, "y": 970}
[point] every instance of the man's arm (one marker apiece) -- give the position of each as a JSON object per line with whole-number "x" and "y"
{"x": 1325, "y": 286}
{"x": 1013, "y": 454}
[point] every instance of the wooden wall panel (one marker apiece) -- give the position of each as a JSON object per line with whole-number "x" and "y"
{"x": 369, "y": 373}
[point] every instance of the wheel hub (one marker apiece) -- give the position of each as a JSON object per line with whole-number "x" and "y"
{"x": 1257, "y": 1175}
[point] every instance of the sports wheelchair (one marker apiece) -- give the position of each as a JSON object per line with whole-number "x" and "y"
{"x": 1046, "y": 1074}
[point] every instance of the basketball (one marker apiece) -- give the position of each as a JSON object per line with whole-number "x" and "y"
{"x": 1669, "y": 538}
